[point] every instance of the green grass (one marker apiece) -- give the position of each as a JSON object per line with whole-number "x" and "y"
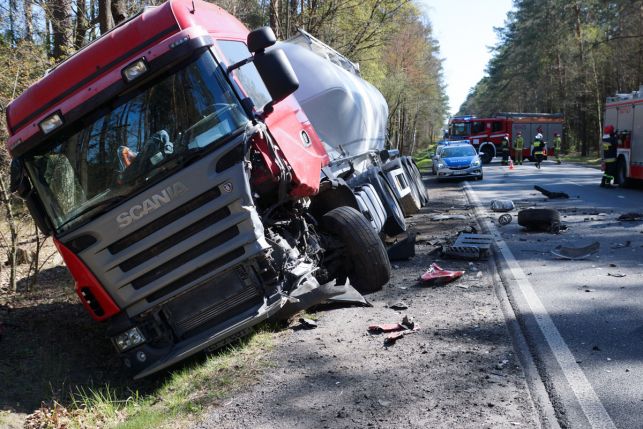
{"x": 183, "y": 396}
{"x": 591, "y": 160}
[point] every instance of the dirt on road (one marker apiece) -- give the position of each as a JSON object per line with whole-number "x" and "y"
{"x": 457, "y": 370}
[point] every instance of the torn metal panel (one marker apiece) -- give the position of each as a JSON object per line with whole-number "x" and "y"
{"x": 576, "y": 252}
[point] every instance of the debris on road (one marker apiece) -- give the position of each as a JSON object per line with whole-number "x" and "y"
{"x": 436, "y": 276}
{"x": 547, "y": 220}
{"x": 628, "y": 243}
{"x": 469, "y": 246}
{"x": 549, "y": 194}
{"x": 400, "y": 305}
{"x": 505, "y": 219}
{"x": 502, "y": 205}
{"x": 576, "y": 252}
{"x": 630, "y": 216}
{"x": 395, "y": 330}
{"x": 303, "y": 323}
{"x": 449, "y": 217}
{"x": 616, "y": 275}
{"x": 402, "y": 249}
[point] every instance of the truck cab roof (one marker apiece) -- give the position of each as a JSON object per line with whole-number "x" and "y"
{"x": 96, "y": 67}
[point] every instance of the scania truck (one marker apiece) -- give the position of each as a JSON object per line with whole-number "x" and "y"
{"x": 184, "y": 186}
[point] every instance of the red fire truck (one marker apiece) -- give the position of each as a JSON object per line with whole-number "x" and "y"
{"x": 624, "y": 112}
{"x": 486, "y": 134}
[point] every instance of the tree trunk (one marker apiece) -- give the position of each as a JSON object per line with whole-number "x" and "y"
{"x": 274, "y": 17}
{"x": 26, "y": 4}
{"x": 81, "y": 23}
{"x": 61, "y": 27}
{"x": 5, "y": 196}
{"x": 119, "y": 12}
{"x": 104, "y": 15}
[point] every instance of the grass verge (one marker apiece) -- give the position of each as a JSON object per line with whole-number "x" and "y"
{"x": 591, "y": 160}
{"x": 177, "y": 402}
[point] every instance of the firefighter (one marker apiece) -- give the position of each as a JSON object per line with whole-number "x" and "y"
{"x": 519, "y": 143}
{"x": 610, "y": 144}
{"x": 557, "y": 143}
{"x": 537, "y": 148}
{"x": 504, "y": 150}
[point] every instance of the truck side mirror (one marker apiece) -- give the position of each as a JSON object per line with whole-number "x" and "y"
{"x": 260, "y": 39}
{"x": 277, "y": 74}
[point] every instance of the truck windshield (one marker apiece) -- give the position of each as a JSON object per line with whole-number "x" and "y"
{"x": 459, "y": 129}
{"x": 127, "y": 145}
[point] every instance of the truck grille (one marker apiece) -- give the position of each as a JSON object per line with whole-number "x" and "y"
{"x": 171, "y": 250}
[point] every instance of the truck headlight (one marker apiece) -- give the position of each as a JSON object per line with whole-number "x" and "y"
{"x": 134, "y": 70}
{"x": 128, "y": 339}
{"x": 51, "y": 123}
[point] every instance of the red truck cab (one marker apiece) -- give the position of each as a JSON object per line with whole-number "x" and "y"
{"x": 182, "y": 182}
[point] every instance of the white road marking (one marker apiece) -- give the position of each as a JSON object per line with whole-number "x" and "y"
{"x": 580, "y": 385}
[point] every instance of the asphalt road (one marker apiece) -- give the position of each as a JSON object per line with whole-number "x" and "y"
{"x": 583, "y": 319}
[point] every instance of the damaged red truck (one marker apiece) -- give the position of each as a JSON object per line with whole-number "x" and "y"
{"x": 184, "y": 186}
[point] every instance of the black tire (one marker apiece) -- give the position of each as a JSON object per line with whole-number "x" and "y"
{"x": 365, "y": 261}
{"x": 621, "y": 174}
{"x": 486, "y": 154}
{"x": 416, "y": 177}
{"x": 540, "y": 219}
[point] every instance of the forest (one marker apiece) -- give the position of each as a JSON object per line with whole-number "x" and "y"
{"x": 563, "y": 56}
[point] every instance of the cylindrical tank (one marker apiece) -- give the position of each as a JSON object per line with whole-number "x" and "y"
{"x": 348, "y": 113}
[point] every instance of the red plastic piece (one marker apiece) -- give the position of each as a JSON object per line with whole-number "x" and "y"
{"x": 437, "y": 276}
{"x": 85, "y": 279}
{"x": 386, "y": 327}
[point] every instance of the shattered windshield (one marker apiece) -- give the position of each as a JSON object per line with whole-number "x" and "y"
{"x": 123, "y": 147}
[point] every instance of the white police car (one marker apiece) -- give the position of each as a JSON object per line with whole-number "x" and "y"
{"x": 458, "y": 160}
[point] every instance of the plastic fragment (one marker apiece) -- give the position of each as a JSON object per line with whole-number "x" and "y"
{"x": 437, "y": 276}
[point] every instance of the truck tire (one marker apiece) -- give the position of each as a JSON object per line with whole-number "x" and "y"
{"x": 486, "y": 154}
{"x": 540, "y": 219}
{"x": 366, "y": 263}
{"x": 395, "y": 223}
{"x": 621, "y": 174}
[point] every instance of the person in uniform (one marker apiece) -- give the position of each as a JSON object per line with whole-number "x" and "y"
{"x": 537, "y": 148}
{"x": 519, "y": 143}
{"x": 504, "y": 150}
{"x": 610, "y": 144}
{"x": 557, "y": 147}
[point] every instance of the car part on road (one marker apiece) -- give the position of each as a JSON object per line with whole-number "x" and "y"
{"x": 505, "y": 219}
{"x": 502, "y": 205}
{"x": 469, "y": 246}
{"x": 397, "y": 330}
{"x": 436, "y": 276}
{"x": 400, "y": 305}
{"x": 540, "y": 220}
{"x": 619, "y": 275}
{"x": 630, "y": 216}
{"x": 303, "y": 323}
{"x": 402, "y": 249}
{"x": 549, "y": 194}
{"x": 365, "y": 263}
{"x": 575, "y": 253}
{"x": 449, "y": 217}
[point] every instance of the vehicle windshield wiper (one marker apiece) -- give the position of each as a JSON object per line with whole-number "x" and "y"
{"x": 98, "y": 204}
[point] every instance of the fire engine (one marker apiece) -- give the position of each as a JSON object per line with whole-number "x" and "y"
{"x": 486, "y": 134}
{"x": 625, "y": 113}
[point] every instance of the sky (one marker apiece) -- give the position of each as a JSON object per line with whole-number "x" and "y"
{"x": 464, "y": 29}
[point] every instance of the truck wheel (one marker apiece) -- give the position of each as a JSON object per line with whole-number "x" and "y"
{"x": 621, "y": 173}
{"x": 365, "y": 260}
{"x": 416, "y": 177}
{"x": 540, "y": 219}
{"x": 486, "y": 154}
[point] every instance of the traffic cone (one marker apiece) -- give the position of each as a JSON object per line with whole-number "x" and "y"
{"x": 511, "y": 164}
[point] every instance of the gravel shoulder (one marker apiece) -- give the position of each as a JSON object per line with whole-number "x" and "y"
{"x": 458, "y": 370}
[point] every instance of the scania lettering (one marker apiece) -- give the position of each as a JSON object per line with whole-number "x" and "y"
{"x": 150, "y": 204}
